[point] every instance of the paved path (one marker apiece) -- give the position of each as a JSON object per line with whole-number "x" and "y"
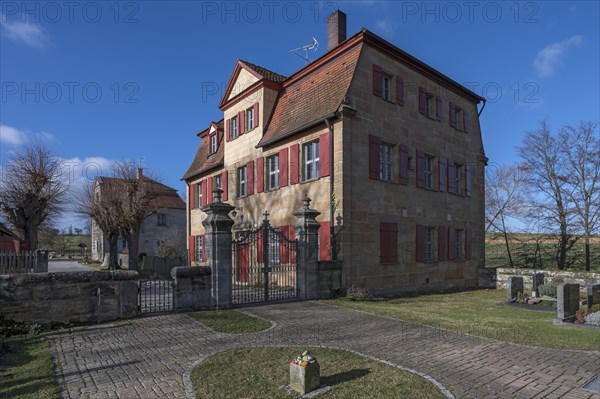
{"x": 56, "y": 266}
{"x": 147, "y": 357}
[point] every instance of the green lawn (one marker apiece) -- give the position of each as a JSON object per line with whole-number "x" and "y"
{"x": 482, "y": 313}
{"x": 26, "y": 369}
{"x": 230, "y": 321}
{"x": 261, "y": 372}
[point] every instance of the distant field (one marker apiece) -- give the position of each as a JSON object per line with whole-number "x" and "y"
{"x": 536, "y": 250}
{"x": 69, "y": 245}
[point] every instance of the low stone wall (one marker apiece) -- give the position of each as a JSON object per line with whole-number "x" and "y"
{"x": 192, "y": 288}
{"x": 486, "y": 278}
{"x": 330, "y": 278}
{"x": 72, "y": 297}
{"x": 557, "y": 277}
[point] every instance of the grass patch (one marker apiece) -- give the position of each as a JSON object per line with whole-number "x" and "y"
{"x": 26, "y": 369}
{"x": 230, "y": 321}
{"x": 482, "y": 313}
{"x": 261, "y": 372}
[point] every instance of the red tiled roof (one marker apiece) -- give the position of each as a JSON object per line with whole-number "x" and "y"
{"x": 264, "y": 72}
{"x": 166, "y": 197}
{"x": 202, "y": 161}
{"x": 311, "y": 98}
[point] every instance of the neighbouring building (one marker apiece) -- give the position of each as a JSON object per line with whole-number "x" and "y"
{"x": 388, "y": 148}
{"x": 168, "y": 218}
{"x": 9, "y": 241}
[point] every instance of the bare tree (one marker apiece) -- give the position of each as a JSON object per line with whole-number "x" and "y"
{"x": 543, "y": 163}
{"x": 170, "y": 244}
{"x": 33, "y": 190}
{"x": 504, "y": 200}
{"x": 101, "y": 201}
{"x": 138, "y": 194}
{"x": 580, "y": 148}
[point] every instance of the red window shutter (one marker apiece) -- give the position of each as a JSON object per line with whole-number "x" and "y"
{"x": 399, "y": 90}
{"x": 420, "y": 169}
{"x": 374, "y": 162}
{"x": 324, "y": 154}
{"x": 209, "y": 190}
{"x": 468, "y": 244}
{"x": 284, "y": 252}
{"x": 422, "y": 101}
{"x": 204, "y": 193}
{"x": 294, "y": 164}
{"x": 452, "y": 115}
{"x": 469, "y": 178}
{"x": 420, "y": 244}
{"x": 192, "y": 201}
{"x": 325, "y": 241}
{"x": 283, "y": 167}
{"x": 388, "y": 242}
{"x": 256, "y": 114}
{"x": 260, "y": 175}
{"x": 442, "y": 244}
{"x": 451, "y": 185}
{"x": 377, "y": 80}
{"x": 228, "y": 129}
{"x": 451, "y": 243}
{"x": 439, "y": 108}
{"x": 192, "y": 249}
{"x": 241, "y": 122}
{"x": 260, "y": 253}
{"x": 250, "y": 177}
{"x": 466, "y": 121}
{"x": 403, "y": 164}
{"x": 204, "y": 249}
{"x": 224, "y": 185}
{"x": 442, "y": 173}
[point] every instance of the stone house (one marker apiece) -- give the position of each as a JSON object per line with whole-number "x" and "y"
{"x": 169, "y": 216}
{"x": 388, "y": 148}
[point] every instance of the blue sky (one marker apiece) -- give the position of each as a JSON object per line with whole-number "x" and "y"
{"x": 105, "y": 81}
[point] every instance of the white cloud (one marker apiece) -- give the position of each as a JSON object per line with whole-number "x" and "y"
{"x": 550, "y": 56}
{"x": 32, "y": 34}
{"x": 11, "y": 135}
{"x": 386, "y": 26}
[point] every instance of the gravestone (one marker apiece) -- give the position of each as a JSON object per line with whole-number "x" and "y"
{"x": 305, "y": 374}
{"x": 537, "y": 279}
{"x": 514, "y": 285}
{"x": 593, "y": 294}
{"x": 567, "y": 301}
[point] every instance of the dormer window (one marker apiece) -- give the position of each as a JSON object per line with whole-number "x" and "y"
{"x": 213, "y": 143}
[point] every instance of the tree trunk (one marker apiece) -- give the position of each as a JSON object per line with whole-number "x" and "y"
{"x": 133, "y": 248}
{"x": 31, "y": 236}
{"x": 588, "y": 259}
{"x": 113, "y": 256}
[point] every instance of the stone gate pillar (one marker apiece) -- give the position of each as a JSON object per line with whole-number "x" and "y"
{"x": 307, "y": 229}
{"x": 217, "y": 228}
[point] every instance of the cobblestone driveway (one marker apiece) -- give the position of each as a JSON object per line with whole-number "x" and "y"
{"x": 146, "y": 357}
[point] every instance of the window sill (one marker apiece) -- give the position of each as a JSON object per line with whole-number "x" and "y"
{"x": 241, "y": 196}
{"x": 272, "y": 189}
{"x": 310, "y": 181}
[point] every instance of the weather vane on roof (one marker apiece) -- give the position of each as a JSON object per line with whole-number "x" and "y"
{"x": 312, "y": 46}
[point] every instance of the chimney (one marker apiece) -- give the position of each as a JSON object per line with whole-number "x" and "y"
{"x": 336, "y": 29}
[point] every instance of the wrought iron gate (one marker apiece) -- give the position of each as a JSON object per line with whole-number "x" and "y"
{"x": 155, "y": 296}
{"x": 264, "y": 264}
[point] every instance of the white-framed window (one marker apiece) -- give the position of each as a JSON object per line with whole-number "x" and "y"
{"x": 429, "y": 105}
{"x": 213, "y": 143}
{"x": 274, "y": 247}
{"x": 458, "y": 176}
{"x": 249, "y": 119}
{"x": 386, "y": 87}
{"x": 458, "y": 117}
{"x": 458, "y": 244}
{"x": 199, "y": 249}
{"x": 198, "y": 195}
{"x": 429, "y": 162}
{"x": 234, "y": 127}
{"x": 429, "y": 244}
{"x": 385, "y": 162}
{"x": 161, "y": 219}
{"x": 241, "y": 174}
{"x": 311, "y": 160}
{"x": 217, "y": 182}
{"x": 273, "y": 169}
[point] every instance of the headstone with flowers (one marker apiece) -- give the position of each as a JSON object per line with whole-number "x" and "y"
{"x": 305, "y": 373}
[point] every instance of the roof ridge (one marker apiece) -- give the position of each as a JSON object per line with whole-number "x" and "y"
{"x": 265, "y": 72}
